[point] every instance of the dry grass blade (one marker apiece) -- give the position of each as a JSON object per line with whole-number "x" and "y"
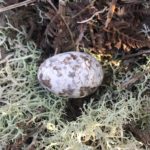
{"x": 25, "y": 3}
{"x": 110, "y": 12}
{"x": 142, "y": 52}
{"x": 141, "y": 135}
{"x": 95, "y": 14}
{"x": 132, "y": 1}
{"x": 130, "y": 39}
{"x": 131, "y": 81}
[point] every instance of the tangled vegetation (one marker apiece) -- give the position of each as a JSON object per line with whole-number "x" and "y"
{"x": 116, "y": 117}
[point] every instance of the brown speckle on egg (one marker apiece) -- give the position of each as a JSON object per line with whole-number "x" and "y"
{"x": 41, "y": 75}
{"x": 73, "y": 56}
{"x": 87, "y": 89}
{"x": 56, "y": 68}
{"x": 71, "y": 74}
{"x": 97, "y": 65}
{"x": 76, "y": 67}
{"x": 67, "y": 92}
{"x": 61, "y": 93}
{"x": 84, "y": 57}
{"x": 47, "y": 83}
{"x": 67, "y": 60}
{"x": 82, "y": 92}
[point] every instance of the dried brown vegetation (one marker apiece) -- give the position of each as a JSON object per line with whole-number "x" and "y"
{"x": 97, "y": 25}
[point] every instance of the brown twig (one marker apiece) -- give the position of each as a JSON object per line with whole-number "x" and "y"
{"x": 62, "y": 7}
{"x": 92, "y": 34}
{"x": 141, "y": 135}
{"x": 63, "y": 19}
{"x": 95, "y": 14}
{"x": 81, "y": 35}
{"x": 50, "y": 2}
{"x": 136, "y": 54}
{"x": 131, "y": 81}
{"x": 83, "y": 10}
{"x": 110, "y": 12}
{"x": 16, "y": 5}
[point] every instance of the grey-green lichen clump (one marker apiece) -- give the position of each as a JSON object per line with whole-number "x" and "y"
{"x": 71, "y": 74}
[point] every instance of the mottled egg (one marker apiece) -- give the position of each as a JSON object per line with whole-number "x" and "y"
{"x": 71, "y": 74}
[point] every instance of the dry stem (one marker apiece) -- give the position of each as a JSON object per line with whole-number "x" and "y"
{"x": 16, "y": 5}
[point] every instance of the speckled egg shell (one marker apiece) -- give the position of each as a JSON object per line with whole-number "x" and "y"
{"x": 71, "y": 74}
